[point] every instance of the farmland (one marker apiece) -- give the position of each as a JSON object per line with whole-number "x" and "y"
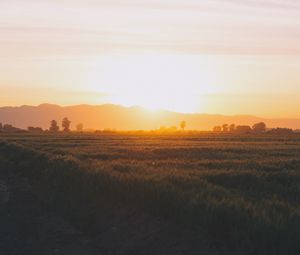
{"x": 166, "y": 194}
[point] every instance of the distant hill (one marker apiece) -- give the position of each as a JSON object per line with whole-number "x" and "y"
{"x": 123, "y": 118}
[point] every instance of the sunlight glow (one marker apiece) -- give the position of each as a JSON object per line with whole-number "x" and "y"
{"x": 172, "y": 82}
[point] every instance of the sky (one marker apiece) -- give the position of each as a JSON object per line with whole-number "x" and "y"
{"x": 208, "y": 56}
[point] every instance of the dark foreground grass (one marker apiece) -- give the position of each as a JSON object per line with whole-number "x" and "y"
{"x": 242, "y": 193}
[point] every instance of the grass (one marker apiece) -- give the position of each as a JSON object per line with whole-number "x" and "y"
{"x": 238, "y": 192}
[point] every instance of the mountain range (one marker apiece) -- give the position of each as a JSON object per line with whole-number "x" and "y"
{"x": 117, "y": 117}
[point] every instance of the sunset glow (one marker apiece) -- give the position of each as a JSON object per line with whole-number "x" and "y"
{"x": 150, "y": 127}
{"x": 154, "y": 81}
{"x": 226, "y": 57}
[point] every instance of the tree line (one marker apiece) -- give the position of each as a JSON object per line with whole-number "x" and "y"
{"x": 259, "y": 127}
{"x": 54, "y": 127}
{"x": 65, "y": 125}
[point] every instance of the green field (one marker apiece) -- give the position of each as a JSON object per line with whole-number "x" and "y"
{"x": 227, "y": 193}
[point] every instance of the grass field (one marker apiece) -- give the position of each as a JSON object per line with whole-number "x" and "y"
{"x": 237, "y": 192}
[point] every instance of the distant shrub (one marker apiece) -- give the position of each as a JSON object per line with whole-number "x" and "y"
{"x": 259, "y": 127}
{"x": 243, "y": 129}
{"x": 280, "y": 131}
{"x": 35, "y": 129}
{"x": 217, "y": 129}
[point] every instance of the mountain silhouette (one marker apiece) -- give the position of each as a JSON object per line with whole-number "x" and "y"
{"x": 110, "y": 116}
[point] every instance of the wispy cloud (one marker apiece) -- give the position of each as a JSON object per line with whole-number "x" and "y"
{"x": 59, "y": 48}
{"x": 31, "y": 27}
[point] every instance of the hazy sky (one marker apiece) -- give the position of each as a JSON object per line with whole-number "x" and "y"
{"x": 214, "y": 56}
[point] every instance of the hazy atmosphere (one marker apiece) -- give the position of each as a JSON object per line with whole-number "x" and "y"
{"x": 212, "y": 56}
{"x": 150, "y": 127}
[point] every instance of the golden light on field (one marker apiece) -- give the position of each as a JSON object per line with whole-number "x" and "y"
{"x": 172, "y": 82}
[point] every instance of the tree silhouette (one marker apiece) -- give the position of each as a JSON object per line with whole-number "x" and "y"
{"x": 280, "y": 131}
{"x": 182, "y": 125}
{"x": 66, "y": 124}
{"x": 259, "y": 127}
{"x": 34, "y": 129}
{"x": 79, "y": 127}
{"x": 53, "y": 126}
{"x": 225, "y": 127}
{"x": 10, "y": 128}
{"x": 217, "y": 129}
{"x": 232, "y": 128}
{"x": 1, "y": 126}
{"x": 243, "y": 129}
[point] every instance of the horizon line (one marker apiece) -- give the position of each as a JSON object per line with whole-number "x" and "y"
{"x": 149, "y": 110}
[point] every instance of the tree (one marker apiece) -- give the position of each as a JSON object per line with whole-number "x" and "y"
{"x": 1, "y": 126}
{"x": 280, "y": 131}
{"x": 35, "y": 129}
{"x": 182, "y": 125}
{"x": 53, "y": 126}
{"x": 66, "y": 124}
{"x": 232, "y": 128}
{"x": 79, "y": 127}
{"x": 217, "y": 129}
{"x": 259, "y": 127}
{"x": 225, "y": 127}
{"x": 10, "y": 128}
{"x": 243, "y": 129}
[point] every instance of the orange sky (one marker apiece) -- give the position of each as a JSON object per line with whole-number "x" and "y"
{"x": 212, "y": 56}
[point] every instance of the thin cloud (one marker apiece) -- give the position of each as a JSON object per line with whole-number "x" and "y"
{"x": 81, "y": 27}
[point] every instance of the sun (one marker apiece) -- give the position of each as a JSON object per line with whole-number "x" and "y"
{"x": 172, "y": 82}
